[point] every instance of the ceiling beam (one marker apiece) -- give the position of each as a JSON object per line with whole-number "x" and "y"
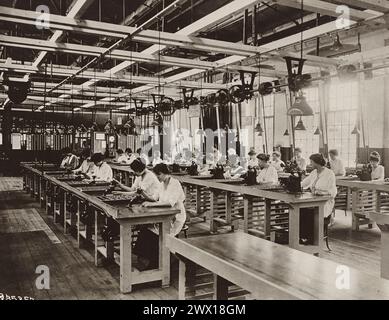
{"x": 120, "y": 31}
{"x": 376, "y": 5}
{"x": 77, "y": 9}
{"x": 326, "y": 8}
{"x": 65, "y": 71}
{"x": 191, "y": 30}
{"x": 124, "y": 55}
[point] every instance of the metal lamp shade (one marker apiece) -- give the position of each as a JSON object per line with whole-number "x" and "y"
{"x": 300, "y": 107}
{"x": 355, "y": 130}
{"x": 300, "y": 126}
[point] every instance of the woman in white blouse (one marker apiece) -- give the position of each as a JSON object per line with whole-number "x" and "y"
{"x": 378, "y": 171}
{"x": 146, "y": 183}
{"x": 171, "y": 194}
{"x": 101, "y": 170}
{"x": 322, "y": 182}
{"x": 267, "y": 174}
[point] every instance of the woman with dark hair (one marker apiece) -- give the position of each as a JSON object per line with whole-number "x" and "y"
{"x": 87, "y": 165}
{"x": 378, "y": 171}
{"x": 146, "y": 183}
{"x": 336, "y": 164}
{"x": 299, "y": 160}
{"x": 252, "y": 161}
{"x": 70, "y": 160}
{"x": 276, "y": 161}
{"x": 321, "y": 181}
{"x": 171, "y": 194}
{"x": 101, "y": 170}
{"x": 267, "y": 174}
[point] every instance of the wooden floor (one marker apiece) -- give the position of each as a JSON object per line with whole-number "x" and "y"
{"x": 29, "y": 239}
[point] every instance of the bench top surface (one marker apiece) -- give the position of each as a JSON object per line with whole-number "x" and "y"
{"x": 255, "y": 191}
{"x": 365, "y": 185}
{"x": 242, "y": 258}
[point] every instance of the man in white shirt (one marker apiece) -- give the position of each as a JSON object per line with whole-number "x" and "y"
{"x": 102, "y": 171}
{"x": 146, "y": 182}
{"x": 336, "y": 164}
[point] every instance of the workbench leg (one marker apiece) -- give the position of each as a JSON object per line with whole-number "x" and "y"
{"x": 220, "y": 287}
{"x": 186, "y": 279}
{"x": 355, "y": 219}
{"x": 385, "y": 254}
{"x": 294, "y": 227}
{"x": 181, "y": 280}
{"x": 228, "y": 201}
{"x": 125, "y": 259}
{"x": 246, "y": 213}
{"x": 213, "y": 226}
{"x": 164, "y": 253}
{"x": 78, "y": 224}
{"x": 65, "y": 229}
{"x": 348, "y": 199}
{"x": 267, "y": 218}
{"x": 96, "y": 240}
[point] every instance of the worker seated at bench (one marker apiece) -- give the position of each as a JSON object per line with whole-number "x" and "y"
{"x": 70, "y": 160}
{"x": 377, "y": 170}
{"x": 146, "y": 182}
{"x": 276, "y": 161}
{"x": 101, "y": 170}
{"x": 233, "y": 168}
{"x": 172, "y": 195}
{"x": 322, "y": 182}
{"x": 87, "y": 166}
{"x": 121, "y": 157}
{"x": 252, "y": 161}
{"x": 267, "y": 173}
{"x": 336, "y": 164}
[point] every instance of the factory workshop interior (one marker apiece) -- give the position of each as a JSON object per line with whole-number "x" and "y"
{"x": 194, "y": 150}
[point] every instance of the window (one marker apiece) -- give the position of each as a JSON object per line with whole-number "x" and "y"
{"x": 341, "y": 119}
{"x": 307, "y": 140}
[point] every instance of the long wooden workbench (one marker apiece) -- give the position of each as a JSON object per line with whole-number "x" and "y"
{"x": 261, "y": 209}
{"x": 267, "y": 271}
{"x": 59, "y": 197}
{"x": 363, "y": 198}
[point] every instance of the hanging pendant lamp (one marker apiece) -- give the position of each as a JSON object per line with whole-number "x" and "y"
{"x": 259, "y": 129}
{"x": 286, "y": 133}
{"x": 300, "y": 125}
{"x": 317, "y": 132}
{"x": 356, "y": 130}
{"x": 300, "y": 107}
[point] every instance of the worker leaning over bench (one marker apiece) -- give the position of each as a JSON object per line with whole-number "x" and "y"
{"x": 101, "y": 171}
{"x": 70, "y": 160}
{"x": 172, "y": 195}
{"x": 87, "y": 166}
{"x": 146, "y": 183}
